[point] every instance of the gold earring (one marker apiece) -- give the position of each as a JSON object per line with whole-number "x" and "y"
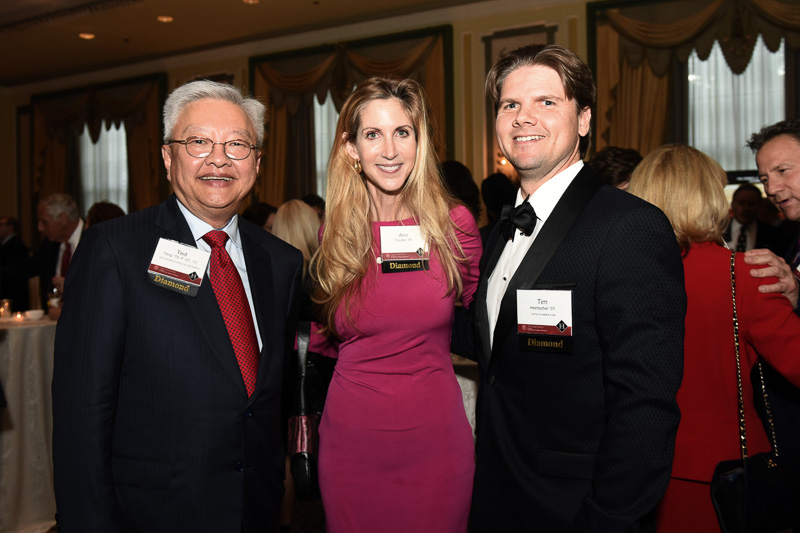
{"x": 357, "y": 166}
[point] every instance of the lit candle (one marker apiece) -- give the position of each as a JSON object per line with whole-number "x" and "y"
{"x": 19, "y": 316}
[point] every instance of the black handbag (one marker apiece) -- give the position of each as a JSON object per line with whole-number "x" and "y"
{"x": 754, "y": 494}
{"x": 313, "y": 375}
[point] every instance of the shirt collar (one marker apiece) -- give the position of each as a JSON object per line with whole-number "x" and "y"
{"x": 545, "y": 198}
{"x": 75, "y": 236}
{"x": 199, "y": 227}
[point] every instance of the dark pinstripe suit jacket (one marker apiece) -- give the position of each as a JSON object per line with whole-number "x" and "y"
{"x": 153, "y": 430}
{"x": 582, "y": 441}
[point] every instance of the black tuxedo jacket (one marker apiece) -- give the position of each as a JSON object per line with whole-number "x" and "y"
{"x": 581, "y": 441}
{"x": 768, "y": 237}
{"x": 153, "y": 430}
{"x": 13, "y": 283}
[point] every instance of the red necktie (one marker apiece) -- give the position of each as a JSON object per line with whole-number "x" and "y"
{"x": 66, "y": 257}
{"x": 235, "y": 309}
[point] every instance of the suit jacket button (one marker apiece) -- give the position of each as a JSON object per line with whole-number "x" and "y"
{"x": 239, "y": 466}
{"x": 248, "y": 413}
{"x": 490, "y": 379}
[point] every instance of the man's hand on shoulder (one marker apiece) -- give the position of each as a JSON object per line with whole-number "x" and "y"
{"x": 776, "y": 266}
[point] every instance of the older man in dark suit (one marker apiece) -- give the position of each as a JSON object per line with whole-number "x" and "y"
{"x": 170, "y": 351}
{"x": 578, "y": 324}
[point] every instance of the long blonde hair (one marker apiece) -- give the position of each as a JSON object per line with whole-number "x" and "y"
{"x": 342, "y": 261}
{"x": 298, "y": 224}
{"x": 688, "y": 186}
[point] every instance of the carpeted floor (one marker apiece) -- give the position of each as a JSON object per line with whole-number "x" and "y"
{"x": 308, "y": 518}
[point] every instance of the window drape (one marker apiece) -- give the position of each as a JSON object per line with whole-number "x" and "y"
{"x": 639, "y": 45}
{"x": 59, "y": 119}
{"x": 290, "y": 82}
{"x": 724, "y": 106}
{"x": 104, "y": 172}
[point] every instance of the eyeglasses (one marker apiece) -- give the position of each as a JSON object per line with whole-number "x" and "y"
{"x": 202, "y": 147}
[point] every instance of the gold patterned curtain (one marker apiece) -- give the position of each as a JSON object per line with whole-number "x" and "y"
{"x": 290, "y": 83}
{"x": 59, "y": 120}
{"x": 637, "y": 46}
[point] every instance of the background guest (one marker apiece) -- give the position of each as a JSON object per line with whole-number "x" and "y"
{"x": 61, "y": 226}
{"x": 497, "y": 191}
{"x": 459, "y": 179}
{"x": 297, "y": 223}
{"x": 261, "y": 214}
{"x": 688, "y": 186}
{"x": 614, "y": 165}
{"x": 13, "y": 285}
{"x": 745, "y": 231}
{"x": 102, "y": 211}
{"x": 318, "y": 203}
{"x": 59, "y": 222}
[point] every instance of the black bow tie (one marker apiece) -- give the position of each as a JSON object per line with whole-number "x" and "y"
{"x": 522, "y": 217}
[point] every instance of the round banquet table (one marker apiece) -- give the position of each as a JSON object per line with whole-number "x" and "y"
{"x": 27, "y": 501}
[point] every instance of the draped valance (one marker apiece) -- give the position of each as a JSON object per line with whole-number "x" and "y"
{"x": 638, "y": 46}
{"x": 290, "y": 82}
{"x": 59, "y": 119}
{"x": 658, "y": 31}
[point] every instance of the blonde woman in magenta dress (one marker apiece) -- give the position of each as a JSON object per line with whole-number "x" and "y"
{"x": 396, "y": 450}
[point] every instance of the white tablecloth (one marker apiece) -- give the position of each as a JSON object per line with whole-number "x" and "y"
{"x": 468, "y": 378}
{"x": 27, "y": 501}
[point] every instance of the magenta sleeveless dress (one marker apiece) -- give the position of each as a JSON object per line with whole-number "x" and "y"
{"x": 396, "y": 450}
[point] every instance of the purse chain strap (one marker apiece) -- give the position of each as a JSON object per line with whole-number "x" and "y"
{"x": 767, "y": 409}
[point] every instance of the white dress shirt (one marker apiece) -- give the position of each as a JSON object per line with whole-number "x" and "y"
{"x": 73, "y": 240}
{"x": 543, "y": 202}
{"x": 234, "y": 248}
{"x": 736, "y": 229}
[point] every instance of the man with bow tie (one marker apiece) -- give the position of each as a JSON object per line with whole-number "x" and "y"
{"x": 577, "y": 324}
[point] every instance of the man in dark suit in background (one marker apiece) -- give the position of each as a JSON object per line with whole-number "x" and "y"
{"x": 745, "y": 231}
{"x": 61, "y": 227}
{"x": 170, "y": 350}
{"x": 60, "y": 223}
{"x": 578, "y": 324}
{"x": 12, "y": 251}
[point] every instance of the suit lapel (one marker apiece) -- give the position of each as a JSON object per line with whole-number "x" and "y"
{"x": 259, "y": 273}
{"x": 495, "y": 246}
{"x": 569, "y": 207}
{"x": 204, "y": 306}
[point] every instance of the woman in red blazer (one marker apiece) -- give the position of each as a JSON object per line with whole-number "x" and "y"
{"x": 688, "y": 186}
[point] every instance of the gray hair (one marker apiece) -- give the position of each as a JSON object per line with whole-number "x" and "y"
{"x": 198, "y": 90}
{"x": 58, "y": 203}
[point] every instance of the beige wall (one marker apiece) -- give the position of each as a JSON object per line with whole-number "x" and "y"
{"x": 470, "y": 24}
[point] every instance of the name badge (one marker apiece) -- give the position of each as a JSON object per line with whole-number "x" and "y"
{"x": 544, "y": 320}
{"x": 178, "y": 267}
{"x": 403, "y": 249}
